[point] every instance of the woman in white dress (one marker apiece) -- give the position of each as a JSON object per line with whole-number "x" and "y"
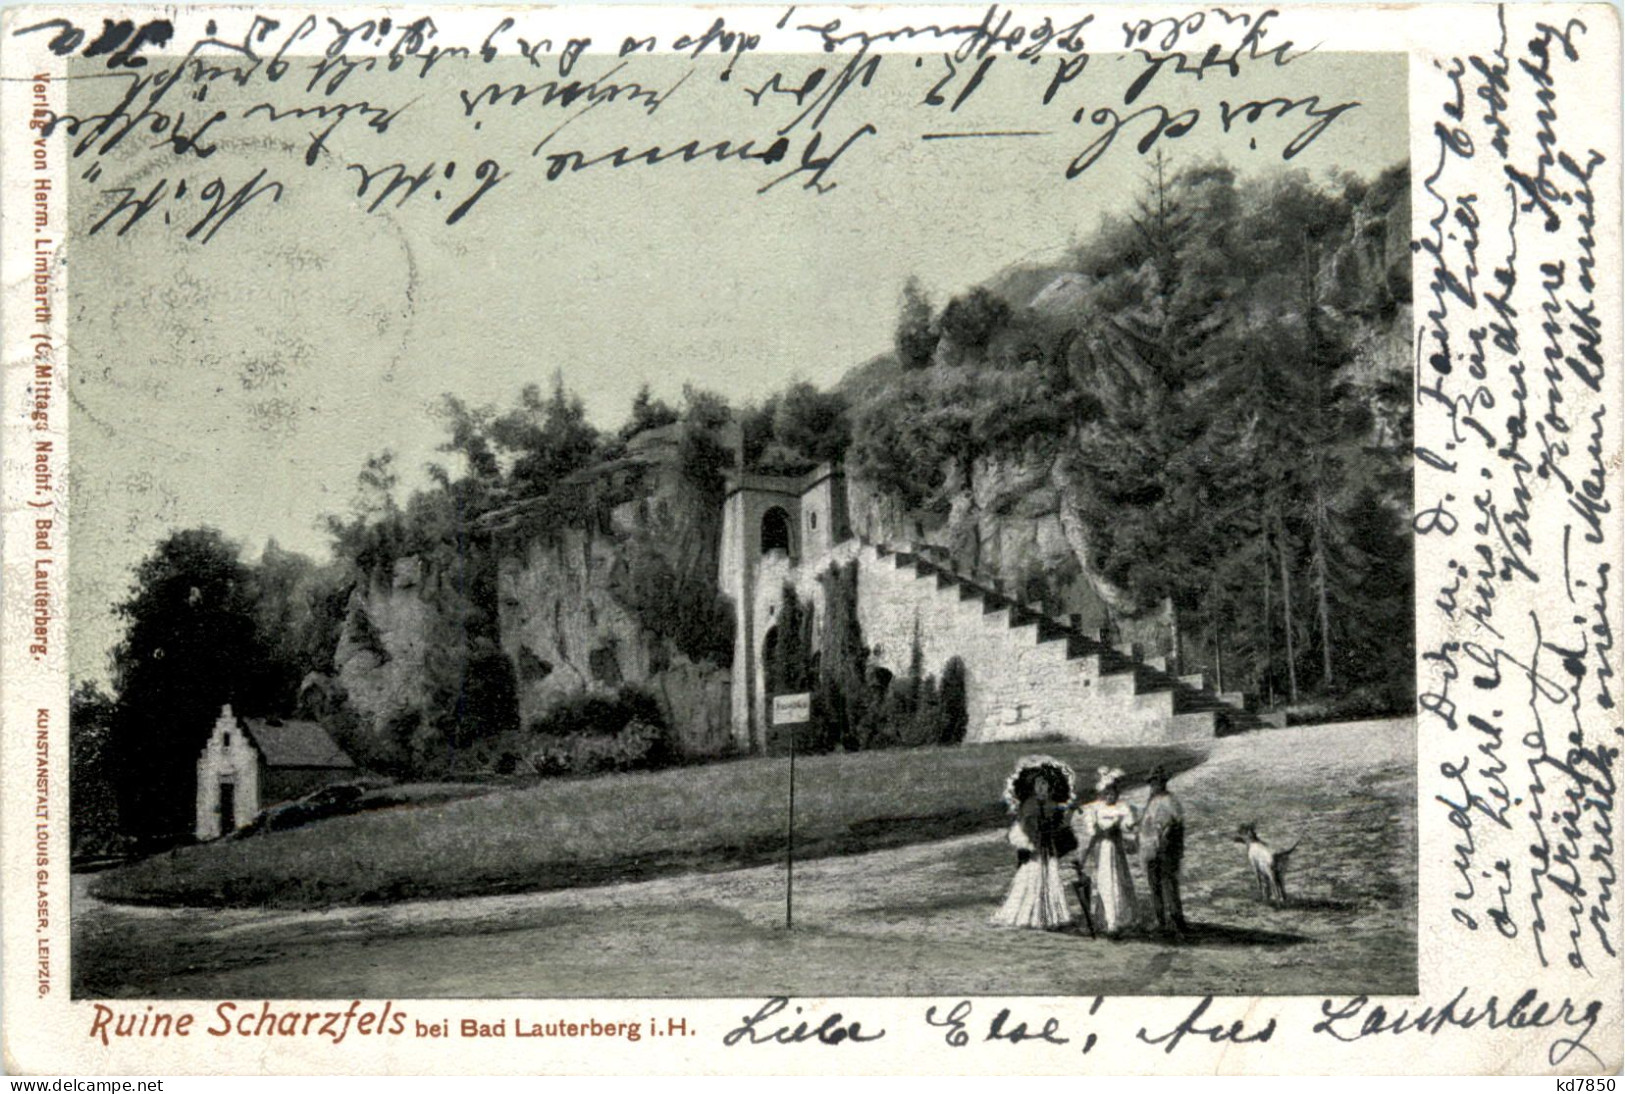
{"x": 1104, "y": 826}
{"x": 1037, "y": 794}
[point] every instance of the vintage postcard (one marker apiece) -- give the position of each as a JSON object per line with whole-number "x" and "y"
{"x": 978, "y": 539}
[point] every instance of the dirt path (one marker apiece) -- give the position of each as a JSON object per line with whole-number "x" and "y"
{"x": 902, "y": 921}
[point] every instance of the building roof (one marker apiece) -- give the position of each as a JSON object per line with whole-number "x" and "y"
{"x": 295, "y": 744}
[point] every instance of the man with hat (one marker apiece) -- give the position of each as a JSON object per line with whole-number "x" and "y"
{"x": 1162, "y": 848}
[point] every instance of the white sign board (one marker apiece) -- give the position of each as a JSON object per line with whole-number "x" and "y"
{"x": 792, "y": 709}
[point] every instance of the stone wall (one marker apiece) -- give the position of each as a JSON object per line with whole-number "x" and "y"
{"x": 1016, "y": 686}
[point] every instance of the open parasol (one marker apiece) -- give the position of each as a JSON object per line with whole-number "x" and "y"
{"x": 1019, "y": 786}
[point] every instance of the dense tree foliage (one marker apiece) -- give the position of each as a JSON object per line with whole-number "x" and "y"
{"x": 973, "y": 319}
{"x": 202, "y": 628}
{"x": 916, "y": 337}
{"x": 1201, "y": 397}
{"x": 1195, "y": 377}
{"x": 300, "y": 612}
{"x": 190, "y": 645}
{"x": 205, "y": 627}
{"x": 647, "y": 413}
{"x": 793, "y": 431}
{"x": 684, "y": 608}
{"x": 856, "y": 705}
{"x": 92, "y": 771}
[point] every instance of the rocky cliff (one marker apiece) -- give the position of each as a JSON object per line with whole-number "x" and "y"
{"x": 566, "y": 622}
{"x": 1007, "y": 516}
{"x": 573, "y": 605}
{"x": 379, "y": 662}
{"x": 566, "y": 631}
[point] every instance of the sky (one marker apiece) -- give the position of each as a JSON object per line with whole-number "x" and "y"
{"x": 242, "y": 383}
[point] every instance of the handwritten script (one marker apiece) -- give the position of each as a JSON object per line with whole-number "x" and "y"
{"x": 1518, "y": 646}
{"x": 1566, "y": 1021}
{"x": 414, "y": 118}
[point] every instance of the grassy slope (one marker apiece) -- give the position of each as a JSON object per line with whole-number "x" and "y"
{"x": 566, "y": 833}
{"x": 910, "y": 920}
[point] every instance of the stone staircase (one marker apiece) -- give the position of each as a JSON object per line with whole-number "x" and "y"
{"x": 1030, "y": 675}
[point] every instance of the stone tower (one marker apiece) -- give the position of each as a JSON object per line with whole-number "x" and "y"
{"x": 776, "y": 530}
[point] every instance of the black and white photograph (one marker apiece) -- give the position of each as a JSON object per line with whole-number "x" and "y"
{"x": 465, "y": 650}
{"x": 1059, "y": 540}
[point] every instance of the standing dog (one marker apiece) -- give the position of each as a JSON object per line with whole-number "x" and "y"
{"x": 1268, "y": 865}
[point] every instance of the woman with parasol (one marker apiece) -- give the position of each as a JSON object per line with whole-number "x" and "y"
{"x": 1037, "y": 793}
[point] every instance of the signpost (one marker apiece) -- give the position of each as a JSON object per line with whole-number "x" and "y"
{"x": 792, "y": 712}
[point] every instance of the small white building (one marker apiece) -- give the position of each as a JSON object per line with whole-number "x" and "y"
{"x": 249, "y": 763}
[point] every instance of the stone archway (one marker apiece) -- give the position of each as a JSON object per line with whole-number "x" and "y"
{"x": 777, "y": 531}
